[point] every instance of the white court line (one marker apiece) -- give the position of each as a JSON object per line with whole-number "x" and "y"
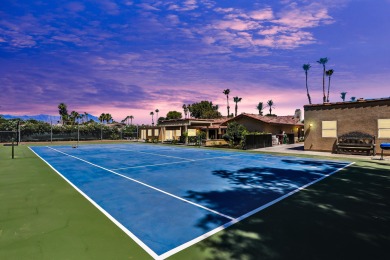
{"x": 220, "y": 228}
{"x": 144, "y": 184}
{"x": 155, "y": 154}
{"x": 158, "y": 164}
{"x": 108, "y": 215}
{"x": 202, "y": 237}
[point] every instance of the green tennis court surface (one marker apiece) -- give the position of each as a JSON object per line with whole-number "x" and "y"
{"x": 168, "y": 198}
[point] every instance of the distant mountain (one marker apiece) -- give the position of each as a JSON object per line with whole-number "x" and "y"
{"x": 45, "y": 118}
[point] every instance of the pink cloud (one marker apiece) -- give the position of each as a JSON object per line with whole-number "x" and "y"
{"x": 264, "y": 14}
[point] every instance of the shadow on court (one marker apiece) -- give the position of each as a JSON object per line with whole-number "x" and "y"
{"x": 254, "y": 187}
{"x": 345, "y": 216}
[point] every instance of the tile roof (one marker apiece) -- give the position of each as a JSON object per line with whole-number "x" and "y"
{"x": 280, "y": 120}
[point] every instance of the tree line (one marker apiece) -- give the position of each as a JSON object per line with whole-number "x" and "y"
{"x": 207, "y": 110}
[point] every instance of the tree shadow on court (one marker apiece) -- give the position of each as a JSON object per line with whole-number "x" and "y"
{"x": 345, "y": 216}
{"x": 252, "y": 187}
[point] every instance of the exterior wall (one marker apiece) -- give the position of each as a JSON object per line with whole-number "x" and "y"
{"x": 253, "y": 125}
{"x": 150, "y": 133}
{"x": 350, "y": 117}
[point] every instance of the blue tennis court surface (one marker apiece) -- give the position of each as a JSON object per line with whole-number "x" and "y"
{"x": 167, "y": 198}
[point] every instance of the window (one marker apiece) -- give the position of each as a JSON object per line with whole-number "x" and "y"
{"x": 168, "y": 135}
{"x": 191, "y": 132}
{"x": 383, "y": 128}
{"x": 178, "y": 132}
{"x": 155, "y": 132}
{"x": 329, "y": 128}
{"x": 149, "y": 132}
{"x": 143, "y": 134}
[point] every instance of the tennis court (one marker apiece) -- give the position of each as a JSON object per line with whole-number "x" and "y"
{"x": 167, "y": 197}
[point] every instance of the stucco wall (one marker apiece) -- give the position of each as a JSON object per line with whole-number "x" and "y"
{"x": 253, "y": 125}
{"x": 350, "y": 117}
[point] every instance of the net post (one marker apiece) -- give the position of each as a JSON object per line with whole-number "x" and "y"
{"x": 13, "y": 152}
{"x": 78, "y": 134}
{"x": 18, "y": 133}
{"x": 51, "y": 130}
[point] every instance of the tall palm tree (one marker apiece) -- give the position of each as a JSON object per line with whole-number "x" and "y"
{"x": 260, "y": 107}
{"x": 152, "y": 114}
{"x": 270, "y": 104}
{"x": 236, "y": 100}
{"x": 306, "y": 67}
{"x": 131, "y": 119}
{"x": 343, "y": 95}
{"x": 227, "y": 92}
{"x": 329, "y": 74}
{"x": 185, "y": 109}
{"x": 189, "y": 110}
{"x": 157, "y": 112}
{"x": 323, "y": 61}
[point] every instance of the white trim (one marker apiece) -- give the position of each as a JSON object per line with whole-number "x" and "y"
{"x": 108, "y": 215}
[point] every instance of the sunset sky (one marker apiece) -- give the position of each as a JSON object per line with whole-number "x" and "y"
{"x": 131, "y": 57}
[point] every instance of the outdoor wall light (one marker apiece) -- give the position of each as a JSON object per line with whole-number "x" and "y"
{"x": 310, "y": 125}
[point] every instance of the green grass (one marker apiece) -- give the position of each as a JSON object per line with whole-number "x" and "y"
{"x": 43, "y": 217}
{"x": 345, "y": 216}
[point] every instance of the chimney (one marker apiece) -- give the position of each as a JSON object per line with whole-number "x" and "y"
{"x": 298, "y": 114}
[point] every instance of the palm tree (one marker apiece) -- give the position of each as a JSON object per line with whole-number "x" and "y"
{"x": 306, "y": 67}
{"x": 323, "y": 61}
{"x": 108, "y": 118}
{"x": 270, "y": 104}
{"x": 157, "y": 113}
{"x": 131, "y": 119}
{"x": 102, "y": 117}
{"x": 63, "y": 111}
{"x": 73, "y": 116}
{"x": 227, "y": 92}
{"x": 343, "y": 95}
{"x": 151, "y": 113}
{"x": 236, "y": 100}
{"x": 189, "y": 110}
{"x": 329, "y": 73}
{"x": 185, "y": 109}
{"x": 126, "y": 119}
{"x": 260, "y": 108}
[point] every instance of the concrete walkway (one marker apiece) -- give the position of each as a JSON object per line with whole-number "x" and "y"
{"x": 298, "y": 149}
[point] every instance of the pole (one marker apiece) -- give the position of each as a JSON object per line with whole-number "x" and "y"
{"x": 51, "y": 131}
{"x": 13, "y": 152}
{"x": 18, "y": 132}
{"x": 78, "y": 134}
{"x": 101, "y": 131}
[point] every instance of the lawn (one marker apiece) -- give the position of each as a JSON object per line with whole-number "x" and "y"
{"x": 345, "y": 216}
